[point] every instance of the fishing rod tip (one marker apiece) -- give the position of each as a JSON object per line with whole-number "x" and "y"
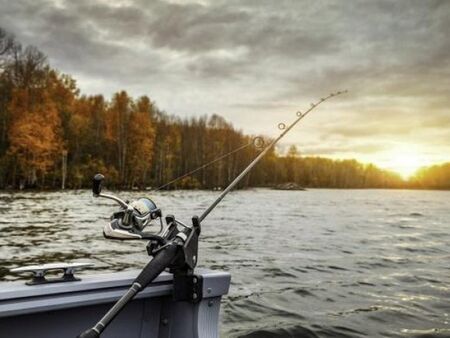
{"x": 339, "y": 93}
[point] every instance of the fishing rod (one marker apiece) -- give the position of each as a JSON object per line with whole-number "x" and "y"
{"x": 264, "y": 152}
{"x": 175, "y": 245}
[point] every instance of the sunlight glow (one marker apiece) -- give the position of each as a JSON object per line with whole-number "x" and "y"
{"x": 405, "y": 161}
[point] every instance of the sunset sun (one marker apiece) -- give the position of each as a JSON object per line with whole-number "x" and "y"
{"x": 405, "y": 161}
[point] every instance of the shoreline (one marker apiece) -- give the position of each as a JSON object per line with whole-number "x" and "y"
{"x": 305, "y": 189}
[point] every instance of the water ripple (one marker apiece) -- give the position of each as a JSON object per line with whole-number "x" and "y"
{"x": 321, "y": 263}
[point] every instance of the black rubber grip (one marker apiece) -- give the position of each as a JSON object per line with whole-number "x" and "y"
{"x": 97, "y": 184}
{"x": 157, "y": 265}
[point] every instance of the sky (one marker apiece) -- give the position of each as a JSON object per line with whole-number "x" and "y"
{"x": 258, "y": 62}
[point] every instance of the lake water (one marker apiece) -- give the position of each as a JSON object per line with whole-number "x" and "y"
{"x": 320, "y": 263}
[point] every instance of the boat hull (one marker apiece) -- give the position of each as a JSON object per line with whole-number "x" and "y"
{"x": 65, "y": 309}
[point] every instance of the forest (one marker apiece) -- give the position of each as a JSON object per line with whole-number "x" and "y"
{"x": 53, "y": 137}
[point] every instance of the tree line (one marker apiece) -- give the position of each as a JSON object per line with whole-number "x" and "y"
{"x": 51, "y": 136}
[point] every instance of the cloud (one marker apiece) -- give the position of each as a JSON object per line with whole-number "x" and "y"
{"x": 256, "y": 61}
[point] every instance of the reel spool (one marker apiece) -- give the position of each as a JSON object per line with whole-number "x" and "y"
{"x": 131, "y": 219}
{"x": 130, "y": 223}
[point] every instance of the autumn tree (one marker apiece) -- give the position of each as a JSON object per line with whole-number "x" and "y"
{"x": 140, "y": 142}
{"x": 30, "y": 115}
{"x": 117, "y": 129}
{"x": 34, "y": 135}
{"x": 291, "y": 169}
{"x": 7, "y": 45}
{"x": 432, "y": 177}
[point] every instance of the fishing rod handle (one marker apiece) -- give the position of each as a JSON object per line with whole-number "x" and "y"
{"x": 157, "y": 265}
{"x": 112, "y": 313}
{"x": 152, "y": 270}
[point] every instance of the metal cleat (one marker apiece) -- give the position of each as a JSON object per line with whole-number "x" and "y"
{"x": 39, "y": 272}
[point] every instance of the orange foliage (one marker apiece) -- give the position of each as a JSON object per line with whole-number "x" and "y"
{"x": 34, "y": 134}
{"x": 140, "y": 142}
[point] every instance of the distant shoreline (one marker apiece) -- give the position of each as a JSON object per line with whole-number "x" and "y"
{"x": 305, "y": 190}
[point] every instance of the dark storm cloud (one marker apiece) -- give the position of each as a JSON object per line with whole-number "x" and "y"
{"x": 99, "y": 30}
{"x": 201, "y": 29}
{"x": 259, "y": 58}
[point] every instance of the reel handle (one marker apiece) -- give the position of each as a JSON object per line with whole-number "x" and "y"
{"x": 97, "y": 189}
{"x": 97, "y": 184}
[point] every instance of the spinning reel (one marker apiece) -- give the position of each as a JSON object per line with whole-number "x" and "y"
{"x": 132, "y": 219}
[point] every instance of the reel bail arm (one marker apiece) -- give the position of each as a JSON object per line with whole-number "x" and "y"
{"x": 131, "y": 219}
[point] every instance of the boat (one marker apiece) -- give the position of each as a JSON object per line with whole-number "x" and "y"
{"x": 184, "y": 303}
{"x": 60, "y": 309}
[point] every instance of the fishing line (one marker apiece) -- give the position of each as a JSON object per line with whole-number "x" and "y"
{"x": 281, "y": 126}
{"x": 258, "y": 142}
